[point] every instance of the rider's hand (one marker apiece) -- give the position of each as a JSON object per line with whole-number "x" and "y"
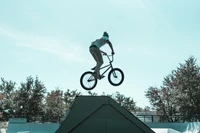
{"x": 104, "y": 53}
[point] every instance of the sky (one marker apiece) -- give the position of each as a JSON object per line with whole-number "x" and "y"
{"x": 51, "y": 38}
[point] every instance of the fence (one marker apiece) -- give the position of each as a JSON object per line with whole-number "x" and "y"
{"x": 143, "y": 118}
{"x": 167, "y": 118}
{"x": 40, "y": 119}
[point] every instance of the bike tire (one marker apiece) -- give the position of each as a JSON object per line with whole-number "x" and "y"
{"x": 113, "y": 73}
{"x": 88, "y": 81}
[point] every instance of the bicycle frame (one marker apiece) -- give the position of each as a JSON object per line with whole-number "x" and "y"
{"x": 109, "y": 65}
{"x": 89, "y": 80}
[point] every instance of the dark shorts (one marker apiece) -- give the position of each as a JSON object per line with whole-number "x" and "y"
{"x": 93, "y": 46}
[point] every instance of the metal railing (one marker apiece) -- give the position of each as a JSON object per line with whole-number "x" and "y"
{"x": 143, "y": 118}
{"x": 167, "y": 118}
{"x": 39, "y": 119}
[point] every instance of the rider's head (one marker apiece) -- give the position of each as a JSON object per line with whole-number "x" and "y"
{"x": 106, "y": 34}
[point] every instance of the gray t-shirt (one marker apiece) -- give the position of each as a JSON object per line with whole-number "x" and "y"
{"x": 100, "y": 42}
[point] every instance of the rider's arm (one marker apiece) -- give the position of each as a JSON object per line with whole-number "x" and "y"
{"x": 103, "y": 52}
{"x": 110, "y": 44}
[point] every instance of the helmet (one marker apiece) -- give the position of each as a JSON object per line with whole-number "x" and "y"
{"x": 105, "y": 34}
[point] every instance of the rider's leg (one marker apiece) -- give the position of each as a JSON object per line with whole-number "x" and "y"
{"x": 94, "y": 56}
{"x": 99, "y": 63}
{"x": 98, "y": 57}
{"x": 95, "y": 60}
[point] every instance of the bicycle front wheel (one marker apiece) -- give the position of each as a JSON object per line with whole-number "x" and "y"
{"x": 88, "y": 81}
{"x": 116, "y": 76}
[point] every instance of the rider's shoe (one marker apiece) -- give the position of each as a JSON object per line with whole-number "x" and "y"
{"x": 93, "y": 68}
{"x": 101, "y": 77}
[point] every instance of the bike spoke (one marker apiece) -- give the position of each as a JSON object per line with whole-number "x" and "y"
{"x": 116, "y": 77}
{"x": 88, "y": 81}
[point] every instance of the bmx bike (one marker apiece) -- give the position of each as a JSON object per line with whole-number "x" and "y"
{"x": 115, "y": 76}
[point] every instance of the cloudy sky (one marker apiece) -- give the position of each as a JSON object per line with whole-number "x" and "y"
{"x": 50, "y": 39}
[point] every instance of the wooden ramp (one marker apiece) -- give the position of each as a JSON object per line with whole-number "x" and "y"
{"x": 100, "y": 114}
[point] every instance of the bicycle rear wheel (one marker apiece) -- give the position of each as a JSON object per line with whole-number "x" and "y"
{"x": 116, "y": 76}
{"x": 88, "y": 81}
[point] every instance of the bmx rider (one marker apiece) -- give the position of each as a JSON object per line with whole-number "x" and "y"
{"x": 96, "y": 52}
